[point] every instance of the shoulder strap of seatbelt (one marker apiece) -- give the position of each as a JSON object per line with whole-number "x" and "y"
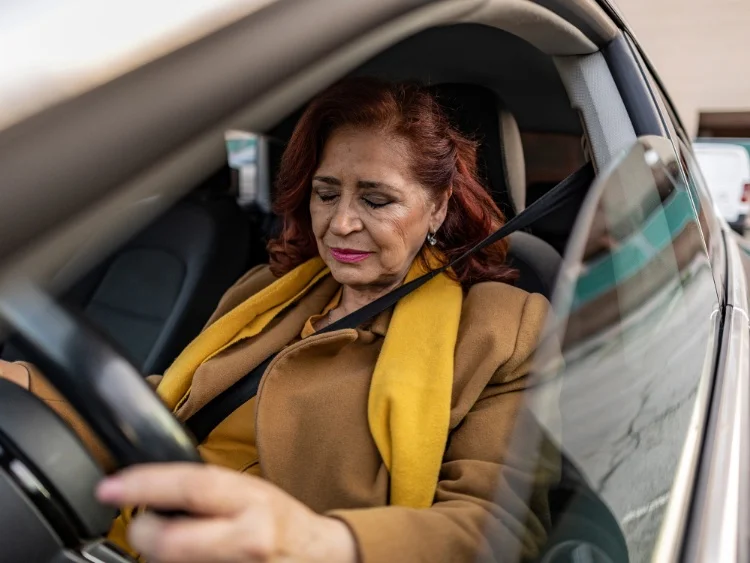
{"x": 212, "y": 414}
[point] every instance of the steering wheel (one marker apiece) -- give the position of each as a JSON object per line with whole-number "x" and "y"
{"x": 103, "y": 387}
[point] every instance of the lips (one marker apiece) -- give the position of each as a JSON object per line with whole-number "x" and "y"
{"x": 348, "y": 255}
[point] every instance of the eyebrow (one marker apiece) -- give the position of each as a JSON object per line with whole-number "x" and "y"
{"x": 364, "y": 184}
{"x": 369, "y": 185}
{"x": 328, "y": 180}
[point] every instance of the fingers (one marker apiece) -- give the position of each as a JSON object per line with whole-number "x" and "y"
{"x": 17, "y": 373}
{"x": 233, "y": 518}
{"x": 215, "y": 540}
{"x": 193, "y": 488}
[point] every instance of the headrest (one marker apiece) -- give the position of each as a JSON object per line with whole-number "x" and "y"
{"x": 513, "y": 160}
{"x": 478, "y": 113}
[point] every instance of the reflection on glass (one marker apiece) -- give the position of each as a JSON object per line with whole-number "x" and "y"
{"x": 634, "y": 309}
{"x": 707, "y": 217}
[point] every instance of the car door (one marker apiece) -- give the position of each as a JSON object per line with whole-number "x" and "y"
{"x": 637, "y": 317}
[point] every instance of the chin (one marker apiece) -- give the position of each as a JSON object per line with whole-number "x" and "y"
{"x": 351, "y": 274}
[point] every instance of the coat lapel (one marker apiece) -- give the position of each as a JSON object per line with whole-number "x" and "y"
{"x": 311, "y": 431}
{"x": 222, "y": 371}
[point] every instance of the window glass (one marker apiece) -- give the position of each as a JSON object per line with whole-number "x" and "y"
{"x": 549, "y": 158}
{"x": 704, "y": 207}
{"x": 665, "y": 107}
{"x": 635, "y": 318}
{"x": 707, "y": 213}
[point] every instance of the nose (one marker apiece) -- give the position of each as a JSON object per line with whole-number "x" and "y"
{"x": 345, "y": 219}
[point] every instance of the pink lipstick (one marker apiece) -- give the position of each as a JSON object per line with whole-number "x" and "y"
{"x": 348, "y": 255}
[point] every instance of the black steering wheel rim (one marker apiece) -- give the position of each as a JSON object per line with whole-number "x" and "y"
{"x": 102, "y": 386}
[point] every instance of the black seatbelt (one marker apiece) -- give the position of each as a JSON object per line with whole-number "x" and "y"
{"x": 206, "y": 419}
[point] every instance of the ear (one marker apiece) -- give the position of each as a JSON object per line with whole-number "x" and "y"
{"x": 440, "y": 210}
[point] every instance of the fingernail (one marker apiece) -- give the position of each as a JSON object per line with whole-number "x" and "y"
{"x": 110, "y": 489}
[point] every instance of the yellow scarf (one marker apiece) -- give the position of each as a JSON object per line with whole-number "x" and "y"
{"x": 410, "y": 393}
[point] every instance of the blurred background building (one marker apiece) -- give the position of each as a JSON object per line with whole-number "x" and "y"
{"x": 700, "y": 50}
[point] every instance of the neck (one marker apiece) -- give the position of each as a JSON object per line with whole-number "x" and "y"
{"x": 353, "y": 299}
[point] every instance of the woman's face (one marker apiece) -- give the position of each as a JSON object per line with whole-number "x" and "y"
{"x": 370, "y": 216}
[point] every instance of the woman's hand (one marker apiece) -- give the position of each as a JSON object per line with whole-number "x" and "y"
{"x": 235, "y": 518}
{"x": 17, "y": 373}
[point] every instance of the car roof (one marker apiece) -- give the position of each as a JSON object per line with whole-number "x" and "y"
{"x": 60, "y": 49}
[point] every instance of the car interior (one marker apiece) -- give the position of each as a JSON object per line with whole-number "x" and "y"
{"x": 521, "y": 89}
{"x": 153, "y": 295}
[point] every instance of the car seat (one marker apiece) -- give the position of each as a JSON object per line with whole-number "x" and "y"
{"x": 478, "y": 113}
{"x": 155, "y": 293}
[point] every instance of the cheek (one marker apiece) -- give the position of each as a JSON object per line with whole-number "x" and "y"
{"x": 399, "y": 232}
{"x": 320, "y": 217}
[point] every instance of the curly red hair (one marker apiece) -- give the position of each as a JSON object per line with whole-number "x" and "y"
{"x": 441, "y": 159}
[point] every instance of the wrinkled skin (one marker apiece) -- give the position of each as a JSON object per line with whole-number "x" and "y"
{"x": 365, "y": 198}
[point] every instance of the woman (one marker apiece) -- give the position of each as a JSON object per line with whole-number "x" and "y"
{"x": 384, "y": 443}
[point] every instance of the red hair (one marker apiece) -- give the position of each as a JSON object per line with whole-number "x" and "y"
{"x": 441, "y": 159}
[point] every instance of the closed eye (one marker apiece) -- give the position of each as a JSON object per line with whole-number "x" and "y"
{"x": 375, "y": 203}
{"x": 325, "y": 194}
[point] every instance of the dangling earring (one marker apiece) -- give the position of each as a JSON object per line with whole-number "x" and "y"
{"x": 431, "y": 239}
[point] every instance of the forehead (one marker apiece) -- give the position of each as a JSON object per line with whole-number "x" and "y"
{"x": 366, "y": 154}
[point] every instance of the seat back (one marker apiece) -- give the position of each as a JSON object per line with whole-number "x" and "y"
{"x": 478, "y": 113}
{"x": 153, "y": 295}
{"x": 536, "y": 261}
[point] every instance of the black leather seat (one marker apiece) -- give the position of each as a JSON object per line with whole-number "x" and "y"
{"x": 158, "y": 291}
{"x": 152, "y": 296}
{"x": 480, "y": 114}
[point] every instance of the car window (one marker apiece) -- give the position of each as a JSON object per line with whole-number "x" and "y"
{"x": 702, "y": 201}
{"x": 549, "y": 158}
{"x": 634, "y": 314}
{"x": 708, "y": 213}
{"x": 672, "y": 122}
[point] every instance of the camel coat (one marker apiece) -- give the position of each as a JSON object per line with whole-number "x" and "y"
{"x": 307, "y": 430}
